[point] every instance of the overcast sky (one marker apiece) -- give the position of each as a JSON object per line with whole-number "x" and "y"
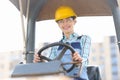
{"x": 47, "y": 31}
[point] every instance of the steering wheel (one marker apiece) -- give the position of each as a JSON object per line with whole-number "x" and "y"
{"x": 65, "y": 48}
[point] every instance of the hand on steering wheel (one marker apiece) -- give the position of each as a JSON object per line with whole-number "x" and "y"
{"x": 65, "y": 48}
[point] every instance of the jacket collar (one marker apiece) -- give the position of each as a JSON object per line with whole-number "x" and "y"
{"x": 72, "y": 36}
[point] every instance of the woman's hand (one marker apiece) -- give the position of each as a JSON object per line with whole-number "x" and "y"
{"x": 77, "y": 57}
{"x": 36, "y": 58}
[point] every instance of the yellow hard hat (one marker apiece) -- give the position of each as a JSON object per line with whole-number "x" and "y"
{"x": 64, "y": 12}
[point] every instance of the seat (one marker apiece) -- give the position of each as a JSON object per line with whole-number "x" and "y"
{"x": 93, "y": 73}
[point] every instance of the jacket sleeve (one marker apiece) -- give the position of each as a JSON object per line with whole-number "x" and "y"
{"x": 86, "y": 44}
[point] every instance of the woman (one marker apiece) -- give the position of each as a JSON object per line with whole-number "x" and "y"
{"x": 65, "y": 17}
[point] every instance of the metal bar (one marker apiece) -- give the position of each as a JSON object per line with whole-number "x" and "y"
{"x": 116, "y": 17}
{"x": 22, "y": 22}
{"x": 30, "y": 44}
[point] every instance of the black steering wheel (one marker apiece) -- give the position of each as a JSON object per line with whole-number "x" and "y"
{"x": 65, "y": 48}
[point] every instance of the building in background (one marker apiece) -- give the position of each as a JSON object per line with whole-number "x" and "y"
{"x": 105, "y": 55}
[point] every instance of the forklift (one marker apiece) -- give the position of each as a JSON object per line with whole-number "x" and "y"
{"x": 38, "y": 10}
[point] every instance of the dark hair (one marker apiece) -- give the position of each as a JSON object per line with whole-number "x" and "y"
{"x": 74, "y": 17}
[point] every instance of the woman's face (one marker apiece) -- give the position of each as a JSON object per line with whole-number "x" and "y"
{"x": 66, "y": 25}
